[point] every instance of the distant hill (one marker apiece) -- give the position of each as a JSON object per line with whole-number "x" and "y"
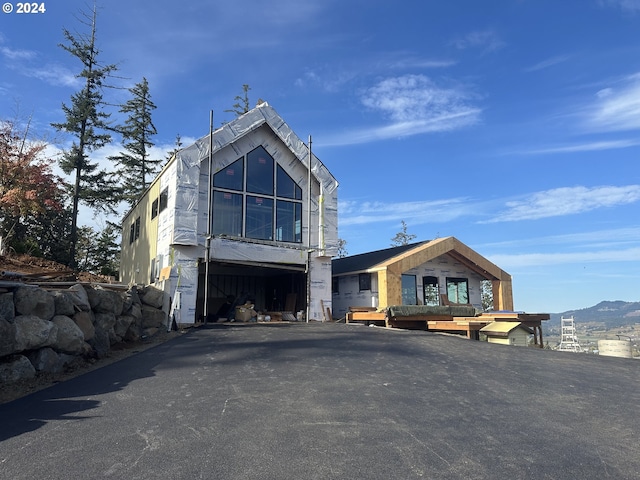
{"x": 612, "y": 314}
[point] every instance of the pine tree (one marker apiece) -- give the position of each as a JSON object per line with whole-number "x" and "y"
{"x": 135, "y": 164}
{"x": 242, "y": 102}
{"x": 87, "y": 122}
{"x": 402, "y": 237}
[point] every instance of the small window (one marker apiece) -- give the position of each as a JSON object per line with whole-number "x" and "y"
{"x": 335, "y": 285}
{"x": 164, "y": 199}
{"x": 137, "y": 229}
{"x": 154, "y": 209}
{"x": 364, "y": 281}
{"x": 458, "y": 290}
{"x": 132, "y": 233}
{"x": 430, "y": 292}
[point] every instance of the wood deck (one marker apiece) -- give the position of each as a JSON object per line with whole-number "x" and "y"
{"x": 470, "y": 326}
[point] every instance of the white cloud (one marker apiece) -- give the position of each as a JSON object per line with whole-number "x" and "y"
{"x": 567, "y": 201}
{"x": 616, "y": 108}
{"x": 487, "y": 40}
{"x": 509, "y": 261}
{"x": 414, "y": 105}
{"x": 361, "y": 213}
{"x": 580, "y": 147}
{"x": 549, "y": 62}
{"x": 12, "y": 54}
{"x": 595, "y": 239}
{"x": 628, "y": 5}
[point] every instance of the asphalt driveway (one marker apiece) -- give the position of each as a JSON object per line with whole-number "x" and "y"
{"x": 331, "y": 401}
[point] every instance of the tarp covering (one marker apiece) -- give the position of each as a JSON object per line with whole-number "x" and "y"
{"x": 399, "y": 311}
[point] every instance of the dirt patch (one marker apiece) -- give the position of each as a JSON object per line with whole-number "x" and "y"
{"x": 15, "y": 390}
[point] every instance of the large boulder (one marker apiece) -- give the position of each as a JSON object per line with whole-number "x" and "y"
{"x": 123, "y": 322}
{"x": 152, "y": 317}
{"x": 100, "y": 343}
{"x": 84, "y": 320}
{"x": 70, "y": 338}
{"x": 79, "y": 297}
{"x": 45, "y": 360}
{"x": 63, "y": 302}
{"x": 7, "y": 338}
{"x": 16, "y": 368}
{"x": 34, "y": 301}
{"x": 153, "y": 297}
{"x": 33, "y": 332}
{"x": 105, "y": 301}
{"x": 7, "y": 308}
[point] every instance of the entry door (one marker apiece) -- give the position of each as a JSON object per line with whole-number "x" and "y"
{"x": 409, "y": 290}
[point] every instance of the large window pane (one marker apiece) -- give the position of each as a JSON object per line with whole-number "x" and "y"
{"x": 286, "y": 187}
{"x": 260, "y": 172}
{"x": 230, "y": 177}
{"x": 227, "y": 214}
{"x": 458, "y": 290}
{"x": 288, "y": 221}
{"x": 409, "y": 293}
{"x": 259, "y": 223}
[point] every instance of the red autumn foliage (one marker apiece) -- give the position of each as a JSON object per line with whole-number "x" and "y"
{"x": 28, "y": 185}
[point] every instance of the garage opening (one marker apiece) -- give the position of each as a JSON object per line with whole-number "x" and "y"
{"x": 273, "y": 287}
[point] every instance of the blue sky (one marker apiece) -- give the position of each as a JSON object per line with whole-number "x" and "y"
{"x": 513, "y": 125}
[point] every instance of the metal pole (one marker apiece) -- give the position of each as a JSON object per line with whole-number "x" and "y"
{"x": 209, "y": 221}
{"x": 309, "y": 235}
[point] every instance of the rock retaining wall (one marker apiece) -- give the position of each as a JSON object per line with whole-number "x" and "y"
{"x": 45, "y": 330}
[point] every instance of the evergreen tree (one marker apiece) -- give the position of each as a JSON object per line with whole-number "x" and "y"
{"x": 178, "y": 146}
{"x": 135, "y": 165}
{"x": 402, "y": 237}
{"x": 242, "y": 102}
{"x": 342, "y": 248}
{"x": 87, "y": 122}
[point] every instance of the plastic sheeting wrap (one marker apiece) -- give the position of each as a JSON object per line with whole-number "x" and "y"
{"x": 400, "y": 311}
{"x": 228, "y": 249}
{"x": 182, "y": 226}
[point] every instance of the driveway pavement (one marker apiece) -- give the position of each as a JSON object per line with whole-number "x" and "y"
{"x": 331, "y": 401}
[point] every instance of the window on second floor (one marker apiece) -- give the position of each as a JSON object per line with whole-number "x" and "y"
{"x": 254, "y": 197}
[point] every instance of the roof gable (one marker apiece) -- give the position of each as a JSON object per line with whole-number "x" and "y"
{"x": 404, "y": 258}
{"x": 365, "y": 261}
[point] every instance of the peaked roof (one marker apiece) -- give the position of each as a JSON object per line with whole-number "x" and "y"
{"x": 406, "y": 257}
{"x": 365, "y": 261}
{"x": 262, "y": 114}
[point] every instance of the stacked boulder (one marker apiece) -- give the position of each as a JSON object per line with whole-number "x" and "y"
{"x": 44, "y": 331}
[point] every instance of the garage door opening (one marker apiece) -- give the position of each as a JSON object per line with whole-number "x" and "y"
{"x": 274, "y": 288}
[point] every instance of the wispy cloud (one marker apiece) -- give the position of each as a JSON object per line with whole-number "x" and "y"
{"x": 509, "y": 261}
{"x": 436, "y": 211}
{"x": 566, "y": 201}
{"x": 549, "y": 62}
{"x": 616, "y": 237}
{"x": 13, "y": 54}
{"x": 615, "y": 108}
{"x": 579, "y": 147}
{"x": 413, "y": 104}
{"x": 627, "y": 5}
{"x": 486, "y": 40}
